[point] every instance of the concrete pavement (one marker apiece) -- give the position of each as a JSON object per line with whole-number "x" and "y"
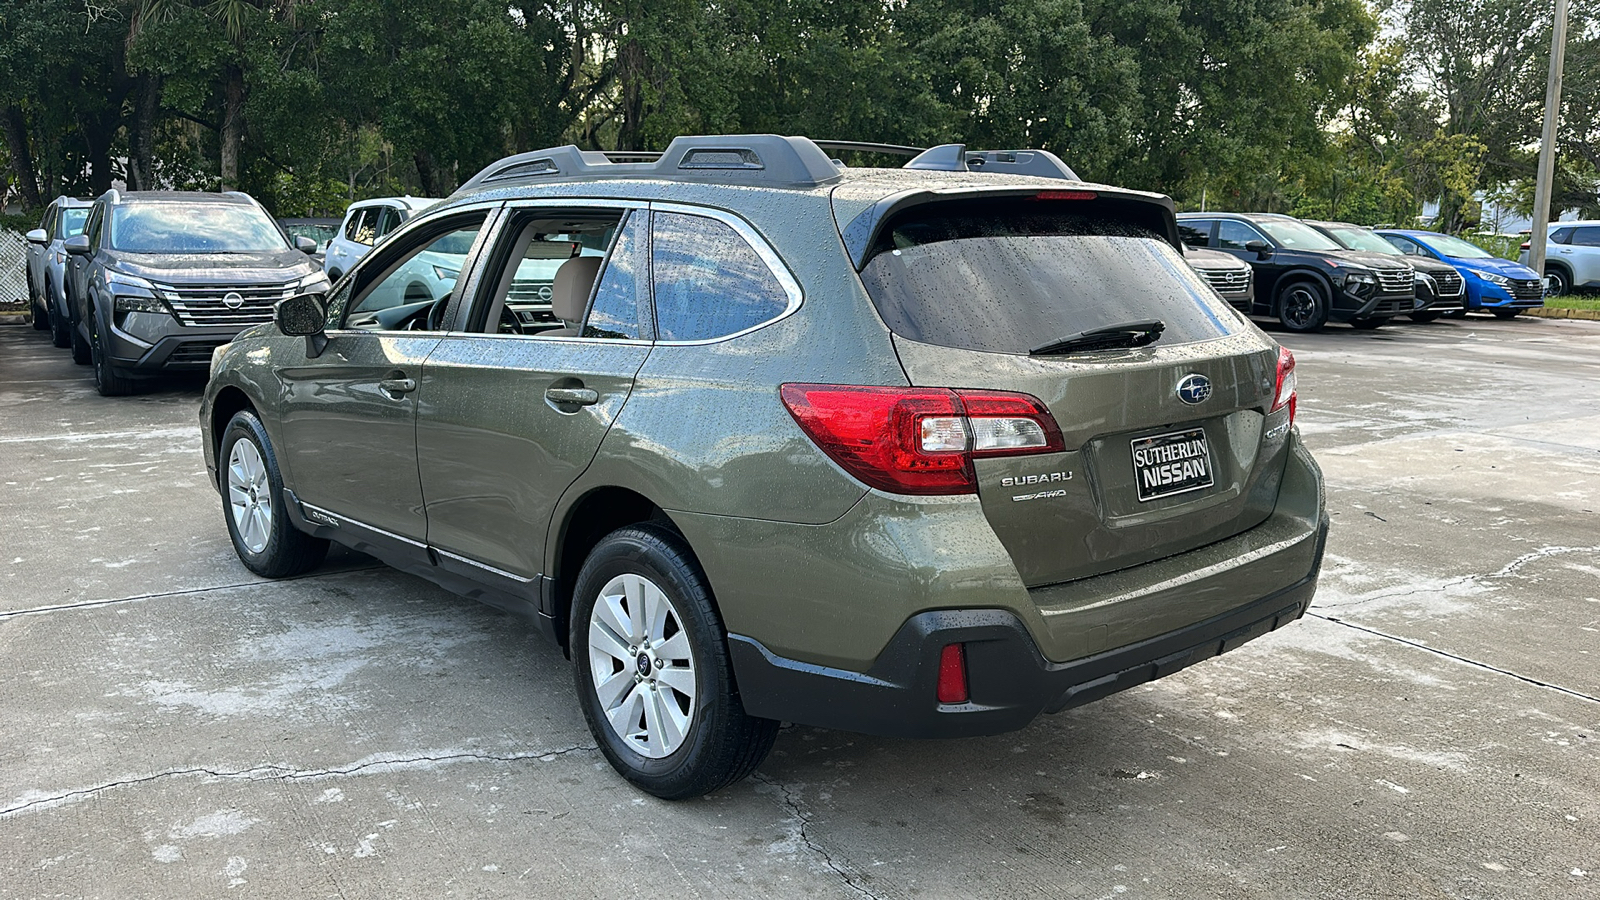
{"x": 174, "y": 727}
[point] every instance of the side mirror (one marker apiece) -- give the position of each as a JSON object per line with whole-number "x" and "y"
{"x": 1260, "y": 248}
{"x": 305, "y": 245}
{"x": 77, "y": 245}
{"x": 38, "y": 236}
{"x": 304, "y": 315}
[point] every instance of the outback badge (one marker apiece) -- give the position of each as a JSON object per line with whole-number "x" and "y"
{"x": 1194, "y": 389}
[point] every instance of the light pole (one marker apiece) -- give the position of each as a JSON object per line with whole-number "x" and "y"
{"x": 1547, "y": 145}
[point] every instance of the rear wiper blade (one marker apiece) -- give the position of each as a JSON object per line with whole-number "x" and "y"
{"x": 1111, "y": 337}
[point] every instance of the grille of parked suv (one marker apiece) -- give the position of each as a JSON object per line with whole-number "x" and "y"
{"x": 1228, "y": 281}
{"x": 202, "y": 305}
{"x": 1525, "y": 289}
{"x": 1396, "y": 281}
{"x": 193, "y": 353}
{"x": 1450, "y": 284}
{"x": 529, "y": 292}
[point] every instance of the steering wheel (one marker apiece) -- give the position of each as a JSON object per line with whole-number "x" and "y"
{"x": 436, "y": 312}
{"x": 509, "y": 322}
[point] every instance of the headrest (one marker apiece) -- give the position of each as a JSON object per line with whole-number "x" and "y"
{"x": 573, "y": 284}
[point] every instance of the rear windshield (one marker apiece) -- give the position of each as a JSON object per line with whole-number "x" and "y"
{"x": 994, "y": 278}
{"x": 166, "y": 227}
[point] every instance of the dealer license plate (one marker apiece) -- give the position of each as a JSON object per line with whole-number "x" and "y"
{"x": 1175, "y": 463}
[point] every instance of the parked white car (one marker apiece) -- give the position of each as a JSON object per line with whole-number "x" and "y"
{"x": 365, "y": 224}
{"x": 1572, "y": 256}
{"x": 63, "y": 218}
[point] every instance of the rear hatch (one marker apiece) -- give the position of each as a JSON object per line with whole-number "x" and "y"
{"x": 1167, "y": 445}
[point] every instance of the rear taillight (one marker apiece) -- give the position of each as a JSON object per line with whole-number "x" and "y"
{"x": 919, "y": 440}
{"x": 1526, "y": 245}
{"x": 1285, "y": 395}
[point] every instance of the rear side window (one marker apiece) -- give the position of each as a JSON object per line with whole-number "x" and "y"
{"x": 1561, "y": 236}
{"x": 988, "y": 277}
{"x": 709, "y": 281}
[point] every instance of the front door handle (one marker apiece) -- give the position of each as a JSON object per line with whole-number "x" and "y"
{"x": 574, "y": 396}
{"x": 397, "y": 388}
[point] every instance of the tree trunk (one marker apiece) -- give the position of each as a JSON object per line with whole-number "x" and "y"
{"x": 433, "y": 177}
{"x": 142, "y": 133}
{"x": 22, "y": 157}
{"x": 631, "y": 65}
{"x": 232, "y": 128}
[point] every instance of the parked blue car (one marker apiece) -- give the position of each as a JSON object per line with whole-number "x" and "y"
{"x": 1494, "y": 285}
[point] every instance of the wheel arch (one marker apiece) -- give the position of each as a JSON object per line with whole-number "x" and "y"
{"x": 1292, "y": 276}
{"x": 591, "y": 516}
{"x": 229, "y": 402}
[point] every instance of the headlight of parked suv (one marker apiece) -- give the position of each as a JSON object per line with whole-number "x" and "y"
{"x": 1492, "y": 278}
{"x": 315, "y": 283}
{"x": 130, "y": 293}
{"x": 1360, "y": 282}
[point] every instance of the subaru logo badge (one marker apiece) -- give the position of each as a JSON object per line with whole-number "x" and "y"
{"x": 232, "y": 300}
{"x": 1194, "y": 389}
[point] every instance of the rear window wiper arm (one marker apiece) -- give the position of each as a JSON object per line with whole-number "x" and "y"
{"x": 1110, "y": 337}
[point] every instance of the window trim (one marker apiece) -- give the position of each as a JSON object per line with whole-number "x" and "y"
{"x": 757, "y": 242}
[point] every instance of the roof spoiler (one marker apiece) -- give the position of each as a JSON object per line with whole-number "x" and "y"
{"x": 765, "y": 159}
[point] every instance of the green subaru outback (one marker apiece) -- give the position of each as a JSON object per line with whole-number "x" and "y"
{"x": 759, "y": 437}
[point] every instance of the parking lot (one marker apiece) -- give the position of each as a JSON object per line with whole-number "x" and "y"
{"x": 178, "y": 728}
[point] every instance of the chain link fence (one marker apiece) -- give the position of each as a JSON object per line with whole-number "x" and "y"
{"x": 13, "y": 268}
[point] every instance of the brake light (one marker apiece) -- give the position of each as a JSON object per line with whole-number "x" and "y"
{"x": 1285, "y": 395}
{"x": 1065, "y": 195}
{"x": 919, "y": 440}
{"x": 1525, "y": 245}
{"x": 952, "y": 686}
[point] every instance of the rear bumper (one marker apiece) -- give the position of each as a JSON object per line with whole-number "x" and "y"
{"x": 1010, "y": 681}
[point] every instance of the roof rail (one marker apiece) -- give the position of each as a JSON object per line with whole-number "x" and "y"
{"x": 957, "y": 158}
{"x": 766, "y": 159}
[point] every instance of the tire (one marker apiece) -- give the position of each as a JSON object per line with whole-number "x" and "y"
{"x": 711, "y": 742}
{"x": 1560, "y": 281}
{"x": 1424, "y": 317}
{"x": 1302, "y": 306}
{"x": 60, "y": 328}
{"x": 39, "y": 314}
{"x": 108, "y": 379}
{"x": 1368, "y": 323}
{"x": 1506, "y": 313}
{"x": 252, "y": 489}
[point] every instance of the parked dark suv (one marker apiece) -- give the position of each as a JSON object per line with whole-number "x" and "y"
{"x": 1303, "y": 277}
{"x": 158, "y": 280}
{"x": 920, "y": 452}
{"x": 1440, "y": 288}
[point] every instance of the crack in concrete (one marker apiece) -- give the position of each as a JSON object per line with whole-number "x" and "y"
{"x": 1460, "y": 659}
{"x": 1506, "y": 571}
{"x": 282, "y": 773}
{"x": 851, "y": 880}
{"x": 92, "y": 604}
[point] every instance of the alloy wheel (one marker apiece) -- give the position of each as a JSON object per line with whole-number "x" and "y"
{"x": 642, "y": 666}
{"x": 1299, "y": 308}
{"x": 249, "y": 499}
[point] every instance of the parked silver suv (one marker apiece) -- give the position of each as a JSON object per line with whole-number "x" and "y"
{"x": 63, "y": 218}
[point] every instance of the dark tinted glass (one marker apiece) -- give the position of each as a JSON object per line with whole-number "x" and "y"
{"x": 709, "y": 282}
{"x": 1588, "y": 236}
{"x": 1196, "y": 233}
{"x": 1561, "y": 236}
{"x": 1005, "y": 283}
{"x": 1234, "y": 235}
{"x": 624, "y": 289}
{"x": 205, "y": 227}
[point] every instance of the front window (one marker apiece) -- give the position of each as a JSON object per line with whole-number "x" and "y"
{"x": 1292, "y": 235}
{"x": 72, "y": 221}
{"x": 1454, "y": 246}
{"x": 1364, "y": 240}
{"x": 204, "y": 227}
{"x": 978, "y": 276}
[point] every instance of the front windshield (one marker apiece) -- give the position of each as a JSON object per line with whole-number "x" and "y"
{"x": 1454, "y": 246}
{"x": 1294, "y": 235}
{"x": 204, "y": 227}
{"x": 72, "y": 220}
{"x": 1362, "y": 239}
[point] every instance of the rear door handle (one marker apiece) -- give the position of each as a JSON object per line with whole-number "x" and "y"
{"x": 575, "y": 396}
{"x": 397, "y": 388}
